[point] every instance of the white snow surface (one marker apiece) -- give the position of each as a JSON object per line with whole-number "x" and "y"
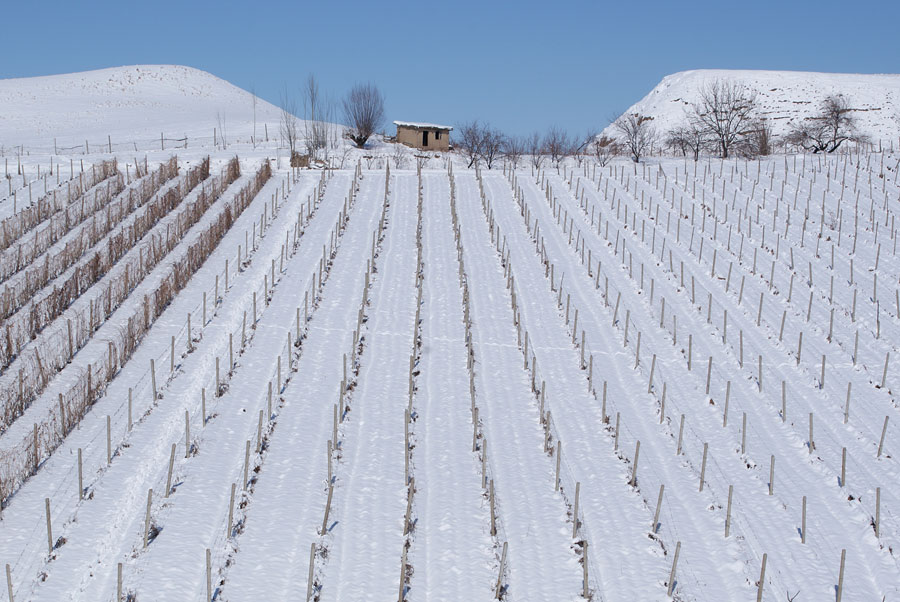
{"x": 126, "y": 103}
{"x": 784, "y": 97}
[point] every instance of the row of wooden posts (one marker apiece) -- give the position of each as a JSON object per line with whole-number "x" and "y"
{"x": 350, "y": 367}
{"x": 634, "y": 472}
{"x": 530, "y": 363}
{"x": 155, "y": 392}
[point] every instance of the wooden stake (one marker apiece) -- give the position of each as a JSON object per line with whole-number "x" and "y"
{"x": 230, "y": 512}
{"x": 9, "y": 586}
{"x": 49, "y": 529}
{"x": 703, "y": 466}
{"x": 840, "y": 585}
{"x": 728, "y": 511}
{"x": 680, "y": 435}
{"x": 118, "y": 583}
{"x": 883, "y": 433}
{"x": 209, "y": 592}
{"x": 171, "y": 467}
{"x": 659, "y": 500}
{"x": 147, "y": 517}
{"x": 762, "y": 579}
{"x": 772, "y": 475}
{"x": 502, "y": 568}
{"x": 80, "y": 477}
{"x": 575, "y": 514}
{"x": 312, "y": 562}
{"x": 803, "y": 522}
{"x": 674, "y": 566}
{"x": 634, "y": 466}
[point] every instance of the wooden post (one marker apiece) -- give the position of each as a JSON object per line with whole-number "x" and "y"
{"x": 680, "y": 436}
{"x": 659, "y": 500}
{"x": 49, "y": 528}
{"x": 822, "y": 379}
{"x": 878, "y": 512}
{"x": 744, "y": 434}
{"x": 843, "y": 466}
{"x": 558, "y": 459}
{"x": 147, "y": 517}
{"x": 674, "y": 566}
{"x": 703, "y": 466}
{"x": 80, "y": 477}
{"x": 840, "y": 585}
{"x": 129, "y": 409}
{"x": 585, "y": 593}
{"x": 812, "y": 443}
{"x": 171, "y": 468}
{"x": 708, "y": 374}
{"x": 728, "y": 511}
{"x": 493, "y": 510}
{"x": 762, "y": 579}
{"x": 887, "y": 358}
{"x": 634, "y": 467}
{"x": 883, "y": 433}
{"x": 187, "y": 434}
{"x": 502, "y": 568}
{"x": 230, "y": 512}
{"x": 153, "y": 379}
{"x": 209, "y": 591}
{"x": 118, "y": 583}
{"x": 9, "y": 583}
{"x": 203, "y": 404}
{"x": 575, "y": 514}
{"x": 803, "y": 522}
{"x": 37, "y": 456}
{"x": 247, "y": 464}
{"x": 312, "y": 562}
{"x": 847, "y": 403}
{"x": 172, "y": 355}
{"x": 772, "y": 475}
{"x": 108, "y": 441}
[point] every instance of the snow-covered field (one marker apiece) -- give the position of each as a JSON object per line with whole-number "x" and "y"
{"x": 671, "y": 380}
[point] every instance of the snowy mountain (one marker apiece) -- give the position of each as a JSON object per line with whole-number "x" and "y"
{"x": 784, "y": 97}
{"x": 124, "y": 103}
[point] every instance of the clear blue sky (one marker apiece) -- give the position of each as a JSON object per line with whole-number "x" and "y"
{"x": 522, "y": 66}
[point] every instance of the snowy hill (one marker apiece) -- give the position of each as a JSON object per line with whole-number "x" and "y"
{"x": 784, "y": 97}
{"x": 126, "y": 102}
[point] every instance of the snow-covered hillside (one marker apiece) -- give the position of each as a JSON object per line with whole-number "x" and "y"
{"x": 125, "y": 103}
{"x": 784, "y": 97}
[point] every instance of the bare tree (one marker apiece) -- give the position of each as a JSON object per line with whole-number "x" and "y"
{"x": 534, "y": 147}
{"x": 315, "y": 136}
{"x": 604, "y": 148}
{"x": 689, "y": 137}
{"x": 513, "y": 149}
{"x": 637, "y": 133}
{"x": 725, "y": 112}
{"x": 220, "y": 122}
{"x": 468, "y": 140}
{"x": 829, "y": 129}
{"x": 558, "y": 145}
{"x": 288, "y": 119}
{"x": 363, "y": 112}
{"x": 583, "y": 146}
{"x": 492, "y": 144}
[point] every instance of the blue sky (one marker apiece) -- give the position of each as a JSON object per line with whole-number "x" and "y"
{"x": 521, "y": 66}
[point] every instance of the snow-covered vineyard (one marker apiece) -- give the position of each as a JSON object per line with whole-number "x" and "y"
{"x": 225, "y": 379}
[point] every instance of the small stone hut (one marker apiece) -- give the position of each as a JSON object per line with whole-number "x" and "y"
{"x": 425, "y": 136}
